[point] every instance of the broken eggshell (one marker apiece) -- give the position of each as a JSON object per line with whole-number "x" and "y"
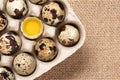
{"x": 32, "y": 28}
{"x": 16, "y": 8}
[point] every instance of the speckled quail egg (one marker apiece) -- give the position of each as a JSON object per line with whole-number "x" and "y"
{"x": 3, "y": 21}
{"x": 6, "y": 74}
{"x": 10, "y": 43}
{"x": 53, "y": 13}
{"x": 38, "y": 1}
{"x": 16, "y": 8}
{"x": 46, "y": 49}
{"x": 68, "y": 35}
{"x": 24, "y": 64}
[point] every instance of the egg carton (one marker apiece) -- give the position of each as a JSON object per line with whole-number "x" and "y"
{"x": 49, "y": 31}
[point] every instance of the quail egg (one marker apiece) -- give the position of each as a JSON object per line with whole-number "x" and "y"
{"x": 10, "y": 43}
{"x": 24, "y": 64}
{"x": 3, "y": 21}
{"x": 46, "y": 49}
{"x": 53, "y": 13}
{"x": 68, "y": 35}
{"x": 32, "y": 27}
{"x": 38, "y": 1}
{"x": 6, "y": 74}
{"x": 16, "y": 8}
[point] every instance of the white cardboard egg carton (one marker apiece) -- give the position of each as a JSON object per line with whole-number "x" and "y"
{"x": 49, "y": 31}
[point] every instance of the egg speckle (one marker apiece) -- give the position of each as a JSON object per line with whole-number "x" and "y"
{"x": 6, "y": 74}
{"x": 38, "y": 1}
{"x": 53, "y": 13}
{"x": 24, "y": 64}
{"x": 3, "y": 21}
{"x": 46, "y": 49}
{"x": 68, "y": 35}
{"x": 16, "y": 8}
{"x": 10, "y": 43}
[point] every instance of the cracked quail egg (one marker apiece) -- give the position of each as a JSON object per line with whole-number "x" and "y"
{"x": 38, "y": 1}
{"x": 10, "y": 43}
{"x": 3, "y": 21}
{"x": 24, "y": 64}
{"x": 53, "y": 13}
{"x": 16, "y": 8}
{"x": 6, "y": 74}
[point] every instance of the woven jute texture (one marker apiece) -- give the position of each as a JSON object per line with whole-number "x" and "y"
{"x": 99, "y": 58}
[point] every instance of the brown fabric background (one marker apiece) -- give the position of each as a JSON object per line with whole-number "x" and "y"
{"x": 99, "y": 58}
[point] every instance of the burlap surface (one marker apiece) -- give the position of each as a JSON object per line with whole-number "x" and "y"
{"x": 99, "y": 58}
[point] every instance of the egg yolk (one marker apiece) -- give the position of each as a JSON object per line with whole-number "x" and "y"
{"x": 32, "y": 26}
